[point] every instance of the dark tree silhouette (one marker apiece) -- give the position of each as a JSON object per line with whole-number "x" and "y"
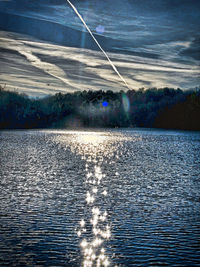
{"x": 159, "y": 108}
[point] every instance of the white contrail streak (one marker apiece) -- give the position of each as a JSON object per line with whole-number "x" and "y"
{"x": 88, "y": 29}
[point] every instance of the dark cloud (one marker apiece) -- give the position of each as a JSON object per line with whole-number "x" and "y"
{"x": 27, "y": 6}
{"x": 126, "y": 23}
{"x": 193, "y": 51}
{"x": 156, "y": 26}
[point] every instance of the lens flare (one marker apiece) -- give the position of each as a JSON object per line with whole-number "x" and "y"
{"x": 100, "y": 29}
{"x": 105, "y": 104}
{"x": 126, "y": 103}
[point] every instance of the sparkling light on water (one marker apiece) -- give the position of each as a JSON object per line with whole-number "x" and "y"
{"x": 147, "y": 201}
{"x": 94, "y": 229}
{"x": 93, "y": 251}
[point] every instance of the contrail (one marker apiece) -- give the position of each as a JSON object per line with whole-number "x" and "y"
{"x": 88, "y": 29}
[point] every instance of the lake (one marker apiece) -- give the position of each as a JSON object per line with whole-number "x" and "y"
{"x": 99, "y": 198}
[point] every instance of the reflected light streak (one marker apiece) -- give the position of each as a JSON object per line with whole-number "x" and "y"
{"x": 92, "y": 250}
{"x": 94, "y": 148}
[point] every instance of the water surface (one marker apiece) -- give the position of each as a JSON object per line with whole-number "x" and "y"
{"x": 99, "y": 198}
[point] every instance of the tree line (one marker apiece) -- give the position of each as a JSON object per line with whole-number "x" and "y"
{"x": 152, "y": 108}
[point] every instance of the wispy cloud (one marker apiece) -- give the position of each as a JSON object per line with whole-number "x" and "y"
{"x": 100, "y": 47}
{"x": 39, "y": 68}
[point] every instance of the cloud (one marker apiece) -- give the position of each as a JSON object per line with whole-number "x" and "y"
{"x": 39, "y": 68}
{"x": 133, "y": 20}
{"x": 193, "y": 51}
{"x": 151, "y": 40}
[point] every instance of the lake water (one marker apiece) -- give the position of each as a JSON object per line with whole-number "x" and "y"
{"x": 99, "y": 198}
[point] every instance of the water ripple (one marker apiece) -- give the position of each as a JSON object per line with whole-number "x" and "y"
{"x": 99, "y": 198}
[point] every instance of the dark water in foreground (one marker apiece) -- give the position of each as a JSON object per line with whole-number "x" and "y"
{"x": 108, "y": 198}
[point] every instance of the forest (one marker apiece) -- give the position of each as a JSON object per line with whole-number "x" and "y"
{"x": 165, "y": 108}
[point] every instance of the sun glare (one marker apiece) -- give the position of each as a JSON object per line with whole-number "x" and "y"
{"x": 91, "y": 138}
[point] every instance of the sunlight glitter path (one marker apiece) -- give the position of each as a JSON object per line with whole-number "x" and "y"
{"x": 93, "y": 228}
{"x": 92, "y": 248}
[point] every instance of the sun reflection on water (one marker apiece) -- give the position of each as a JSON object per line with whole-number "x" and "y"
{"x": 91, "y": 138}
{"x": 94, "y": 229}
{"x": 94, "y": 254}
{"x": 96, "y": 149}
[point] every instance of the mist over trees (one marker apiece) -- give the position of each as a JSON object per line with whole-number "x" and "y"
{"x": 158, "y": 108}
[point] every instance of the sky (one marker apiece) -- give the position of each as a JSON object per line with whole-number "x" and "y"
{"x": 44, "y": 47}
